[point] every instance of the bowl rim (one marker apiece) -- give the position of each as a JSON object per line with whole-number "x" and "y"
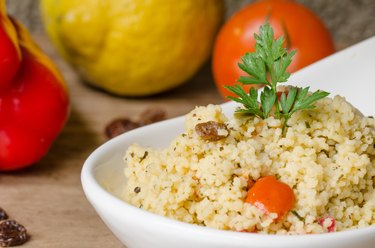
{"x": 94, "y": 191}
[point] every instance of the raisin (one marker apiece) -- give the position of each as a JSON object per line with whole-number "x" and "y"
{"x": 120, "y": 126}
{"x": 3, "y": 215}
{"x": 12, "y": 233}
{"x": 151, "y": 115}
{"x": 210, "y": 130}
{"x": 137, "y": 190}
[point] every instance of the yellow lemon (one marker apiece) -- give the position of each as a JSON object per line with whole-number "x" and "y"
{"x": 134, "y": 47}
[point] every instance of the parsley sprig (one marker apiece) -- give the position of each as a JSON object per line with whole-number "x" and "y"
{"x": 268, "y": 66}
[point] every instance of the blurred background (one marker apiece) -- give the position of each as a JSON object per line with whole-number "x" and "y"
{"x": 349, "y": 21}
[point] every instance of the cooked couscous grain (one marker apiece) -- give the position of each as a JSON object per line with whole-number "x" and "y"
{"x": 326, "y": 156}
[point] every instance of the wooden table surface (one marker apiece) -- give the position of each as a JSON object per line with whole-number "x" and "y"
{"x": 47, "y": 198}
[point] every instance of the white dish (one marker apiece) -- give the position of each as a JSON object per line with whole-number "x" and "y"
{"x": 348, "y": 73}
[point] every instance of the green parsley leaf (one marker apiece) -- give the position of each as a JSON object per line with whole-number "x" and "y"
{"x": 249, "y": 101}
{"x": 255, "y": 67}
{"x": 304, "y": 101}
{"x": 267, "y": 66}
{"x": 287, "y": 102}
{"x": 267, "y": 99}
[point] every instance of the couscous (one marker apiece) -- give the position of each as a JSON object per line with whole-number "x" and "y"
{"x": 325, "y": 157}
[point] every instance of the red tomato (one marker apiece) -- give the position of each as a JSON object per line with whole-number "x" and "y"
{"x": 271, "y": 196}
{"x": 302, "y": 29}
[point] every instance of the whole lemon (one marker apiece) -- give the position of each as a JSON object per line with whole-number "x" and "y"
{"x": 134, "y": 47}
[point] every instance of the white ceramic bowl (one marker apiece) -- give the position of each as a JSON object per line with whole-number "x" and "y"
{"x": 348, "y": 73}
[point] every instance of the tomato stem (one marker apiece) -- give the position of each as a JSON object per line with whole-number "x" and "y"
{"x": 287, "y": 36}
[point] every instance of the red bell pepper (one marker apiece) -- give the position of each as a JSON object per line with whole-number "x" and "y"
{"x": 332, "y": 223}
{"x": 34, "y": 102}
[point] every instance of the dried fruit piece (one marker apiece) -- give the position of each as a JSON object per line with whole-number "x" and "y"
{"x": 137, "y": 190}
{"x": 12, "y": 233}
{"x": 212, "y": 130}
{"x": 3, "y": 214}
{"x": 120, "y": 126}
{"x": 151, "y": 115}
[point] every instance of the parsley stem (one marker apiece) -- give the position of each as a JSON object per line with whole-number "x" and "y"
{"x": 285, "y": 123}
{"x": 276, "y": 103}
{"x": 277, "y": 109}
